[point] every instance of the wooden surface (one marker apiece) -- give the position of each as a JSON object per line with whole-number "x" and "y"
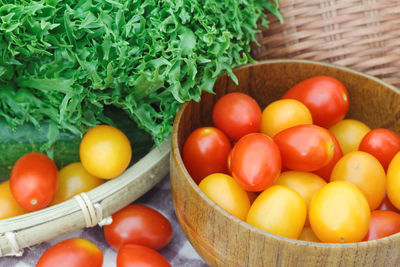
{"x": 36, "y": 227}
{"x": 223, "y": 240}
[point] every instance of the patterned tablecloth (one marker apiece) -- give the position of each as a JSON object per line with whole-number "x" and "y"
{"x": 179, "y": 251}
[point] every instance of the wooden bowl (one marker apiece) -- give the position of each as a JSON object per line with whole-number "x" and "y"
{"x": 223, "y": 240}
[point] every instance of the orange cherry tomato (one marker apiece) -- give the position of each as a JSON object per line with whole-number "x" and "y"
{"x": 308, "y": 235}
{"x": 325, "y": 97}
{"x": 34, "y": 181}
{"x": 283, "y": 114}
{"x": 105, "y": 151}
{"x": 364, "y": 171}
{"x": 226, "y": 193}
{"x": 74, "y": 179}
{"x": 383, "y": 144}
{"x": 8, "y": 206}
{"x": 237, "y": 114}
{"x": 349, "y": 134}
{"x": 393, "y": 181}
{"x": 305, "y": 147}
{"x": 304, "y": 183}
{"x": 325, "y": 172}
{"x": 383, "y": 223}
{"x": 205, "y": 152}
{"x": 256, "y": 162}
{"x": 279, "y": 210}
{"x": 74, "y": 252}
{"x": 339, "y": 213}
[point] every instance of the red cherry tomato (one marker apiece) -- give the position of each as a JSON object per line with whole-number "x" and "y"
{"x": 383, "y": 144}
{"x": 383, "y": 223}
{"x": 325, "y": 172}
{"x": 205, "y": 152}
{"x": 140, "y": 256}
{"x": 325, "y": 97}
{"x": 255, "y": 162}
{"x": 34, "y": 181}
{"x": 237, "y": 114}
{"x": 138, "y": 224}
{"x": 305, "y": 147}
{"x": 74, "y": 252}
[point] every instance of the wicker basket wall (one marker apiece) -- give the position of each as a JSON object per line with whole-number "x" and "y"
{"x": 360, "y": 34}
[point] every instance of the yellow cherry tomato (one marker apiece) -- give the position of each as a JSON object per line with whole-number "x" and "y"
{"x": 8, "y": 206}
{"x": 393, "y": 181}
{"x": 308, "y": 235}
{"x": 105, "y": 151}
{"x": 226, "y": 193}
{"x": 283, "y": 114}
{"x": 72, "y": 180}
{"x": 279, "y": 210}
{"x": 304, "y": 183}
{"x": 349, "y": 134}
{"x": 364, "y": 171}
{"x": 339, "y": 213}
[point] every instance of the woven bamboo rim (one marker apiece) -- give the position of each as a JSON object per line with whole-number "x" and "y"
{"x": 361, "y": 34}
{"x": 33, "y": 228}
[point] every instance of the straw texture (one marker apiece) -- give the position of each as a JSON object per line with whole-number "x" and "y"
{"x": 360, "y": 34}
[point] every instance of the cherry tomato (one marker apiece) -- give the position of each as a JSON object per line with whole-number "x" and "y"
{"x": 226, "y": 193}
{"x": 105, "y": 151}
{"x": 283, "y": 114}
{"x": 383, "y": 144}
{"x": 304, "y": 183}
{"x": 237, "y": 114}
{"x": 8, "y": 206}
{"x": 364, "y": 171}
{"x": 325, "y": 97}
{"x": 74, "y": 252}
{"x": 393, "y": 181}
{"x": 34, "y": 181}
{"x": 138, "y": 224}
{"x": 140, "y": 256}
{"x": 256, "y": 162}
{"x": 383, "y": 223}
{"x": 205, "y": 152}
{"x": 305, "y": 147}
{"x": 349, "y": 134}
{"x": 325, "y": 172}
{"x": 339, "y": 213}
{"x": 279, "y": 210}
{"x": 308, "y": 235}
{"x": 387, "y": 205}
{"x": 72, "y": 180}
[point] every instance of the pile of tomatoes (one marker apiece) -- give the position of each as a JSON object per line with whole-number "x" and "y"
{"x": 298, "y": 168}
{"x": 137, "y": 231}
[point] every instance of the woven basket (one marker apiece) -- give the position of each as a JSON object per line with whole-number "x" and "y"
{"x": 361, "y": 34}
{"x": 87, "y": 209}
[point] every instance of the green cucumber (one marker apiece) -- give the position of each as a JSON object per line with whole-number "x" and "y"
{"x": 27, "y": 138}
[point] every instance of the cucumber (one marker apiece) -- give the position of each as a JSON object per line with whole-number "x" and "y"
{"x": 27, "y": 138}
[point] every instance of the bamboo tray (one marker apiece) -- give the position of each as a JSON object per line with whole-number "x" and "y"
{"x": 33, "y": 228}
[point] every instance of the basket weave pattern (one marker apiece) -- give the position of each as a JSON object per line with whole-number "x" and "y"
{"x": 360, "y": 34}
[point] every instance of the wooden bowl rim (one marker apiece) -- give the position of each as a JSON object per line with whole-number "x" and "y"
{"x": 178, "y": 159}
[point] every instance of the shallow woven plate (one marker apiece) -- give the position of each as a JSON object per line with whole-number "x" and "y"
{"x": 35, "y": 227}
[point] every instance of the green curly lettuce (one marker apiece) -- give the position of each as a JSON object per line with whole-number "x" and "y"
{"x": 63, "y": 62}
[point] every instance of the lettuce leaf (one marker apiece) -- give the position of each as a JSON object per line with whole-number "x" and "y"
{"x": 65, "y": 61}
